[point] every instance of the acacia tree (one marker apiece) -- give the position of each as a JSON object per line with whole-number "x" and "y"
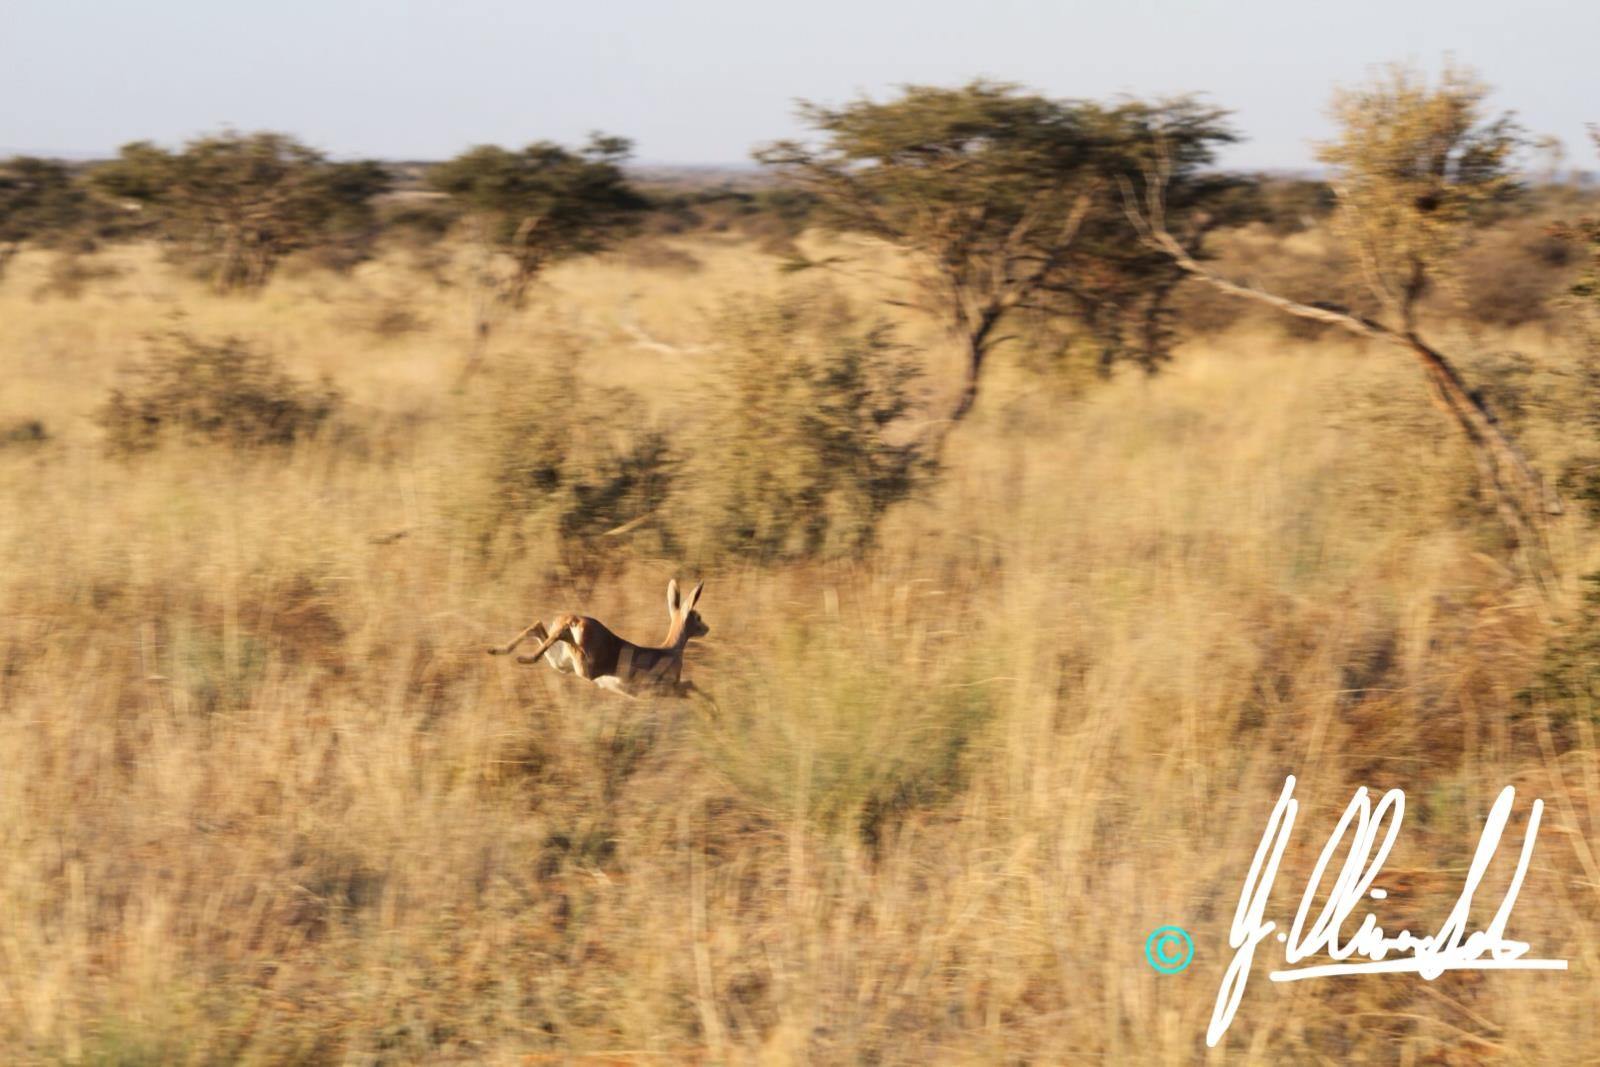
{"x": 39, "y": 201}
{"x": 238, "y": 203}
{"x": 1413, "y": 165}
{"x": 1003, "y": 199}
{"x": 542, "y": 203}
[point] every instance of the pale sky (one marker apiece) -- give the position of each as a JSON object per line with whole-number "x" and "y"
{"x": 701, "y": 81}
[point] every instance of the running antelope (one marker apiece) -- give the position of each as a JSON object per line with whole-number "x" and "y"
{"x": 577, "y": 644}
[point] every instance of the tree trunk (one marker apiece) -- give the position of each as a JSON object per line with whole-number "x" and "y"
{"x": 1520, "y": 492}
{"x": 978, "y": 344}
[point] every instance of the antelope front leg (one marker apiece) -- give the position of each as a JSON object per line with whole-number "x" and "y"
{"x": 685, "y": 690}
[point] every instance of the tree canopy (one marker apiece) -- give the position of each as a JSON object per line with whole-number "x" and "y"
{"x": 544, "y": 202}
{"x": 238, "y": 203}
{"x": 1413, "y": 164}
{"x": 39, "y": 201}
{"x": 1007, "y": 201}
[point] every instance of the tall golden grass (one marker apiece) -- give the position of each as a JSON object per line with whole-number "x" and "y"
{"x": 264, "y": 800}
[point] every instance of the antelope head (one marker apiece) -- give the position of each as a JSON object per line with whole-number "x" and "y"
{"x": 686, "y": 621}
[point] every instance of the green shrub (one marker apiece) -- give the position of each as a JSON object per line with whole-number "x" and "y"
{"x": 829, "y": 733}
{"x": 1568, "y": 684}
{"x": 804, "y": 444}
{"x": 223, "y": 392}
{"x": 569, "y": 464}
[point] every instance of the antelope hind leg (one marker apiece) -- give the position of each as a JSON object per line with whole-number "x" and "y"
{"x": 536, "y": 630}
{"x": 561, "y": 656}
{"x": 558, "y": 629}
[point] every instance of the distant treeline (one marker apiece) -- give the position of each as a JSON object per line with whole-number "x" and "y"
{"x": 232, "y": 205}
{"x": 1014, "y": 210}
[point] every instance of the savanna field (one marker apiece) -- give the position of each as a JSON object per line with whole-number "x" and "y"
{"x": 264, "y": 799}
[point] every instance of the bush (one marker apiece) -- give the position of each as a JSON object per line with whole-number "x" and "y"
{"x": 223, "y": 392}
{"x": 570, "y": 465}
{"x": 796, "y": 451}
{"x": 1513, "y": 272}
{"x": 824, "y": 732}
{"x": 22, "y": 433}
{"x": 771, "y": 218}
{"x": 1567, "y": 688}
{"x": 1294, "y": 205}
{"x": 385, "y": 314}
{"x": 393, "y": 319}
{"x": 804, "y": 447}
{"x": 418, "y": 219}
{"x": 70, "y": 274}
{"x": 655, "y": 255}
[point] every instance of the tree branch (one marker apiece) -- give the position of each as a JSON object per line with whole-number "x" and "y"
{"x": 1521, "y": 495}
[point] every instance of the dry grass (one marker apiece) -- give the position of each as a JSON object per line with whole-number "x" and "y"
{"x": 263, "y": 799}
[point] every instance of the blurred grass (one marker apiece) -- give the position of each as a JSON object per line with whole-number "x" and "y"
{"x": 264, "y": 800}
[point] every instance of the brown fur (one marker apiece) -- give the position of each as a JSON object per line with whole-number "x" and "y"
{"x": 580, "y": 645}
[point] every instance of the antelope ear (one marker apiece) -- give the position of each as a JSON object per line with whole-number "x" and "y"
{"x": 694, "y": 597}
{"x": 672, "y": 596}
